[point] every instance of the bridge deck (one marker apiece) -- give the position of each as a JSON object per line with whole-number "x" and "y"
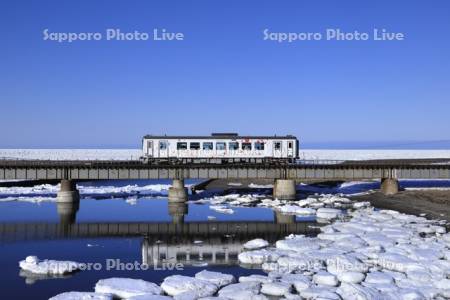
{"x": 333, "y": 170}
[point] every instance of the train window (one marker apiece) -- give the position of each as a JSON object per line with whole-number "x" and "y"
{"x": 220, "y": 146}
{"x": 233, "y": 146}
{"x": 181, "y": 146}
{"x": 259, "y": 146}
{"x": 194, "y": 146}
{"x": 290, "y": 145}
{"x": 162, "y": 145}
{"x": 277, "y": 145}
{"x": 246, "y": 146}
{"x": 208, "y": 146}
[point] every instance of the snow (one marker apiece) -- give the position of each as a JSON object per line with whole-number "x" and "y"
{"x": 351, "y": 277}
{"x": 355, "y": 291}
{"x": 325, "y": 278}
{"x": 217, "y": 278}
{"x": 362, "y": 254}
{"x": 241, "y": 291}
{"x": 256, "y": 244}
{"x": 177, "y": 284}
{"x": 255, "y": 278}
{"x": 47, "y": 192}
{"x": 221, "y": 209}
{"x": 149, "y": 297}
{"x": 260, "y": 186}
{"x": 82, "y": 296}
{"x": 312, "y": 154}
{"x": 328, "y": 213}
{"x": 257, "y": 256}
{"x": 276, "y": 288}
{"x": 71, "y": 154}
{"x": 126, "y": 287}
{"x": 33, "y": 265}
{"x": 297, "y": 210}
{"x": 320, "y": 293}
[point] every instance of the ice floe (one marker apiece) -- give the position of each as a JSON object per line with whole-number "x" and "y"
{"x": 32, "y": 264}
{"x": 222, "y": 209}
{"x": 242, "y": 291}
{"x": 363, "y": 254}
{"x": 276, "y": 288}
{"x": 126, "y": 287}
{"x": 256, "y": 244}
{"x": 82, "y": 296}
{"x": 217, "y": 278}
{"x": 47, "y": 192}
{"x": 177, "y": 284}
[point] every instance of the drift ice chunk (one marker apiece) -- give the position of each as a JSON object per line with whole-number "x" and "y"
{"x": 241, "y": 291}
{"x": 299, "y": 281}
{"x": 319, "y": 293}
{"x": 328, "y": 213}
{"x": 81, "y": 296}
{"x": 298, "y": 244}
{"x": 150, "y": 297}
{"x": 379, "y": 278}
{"x": 356, "y": 291}
{"x": 177, "y": 284}
{"x": 276, "y": 288}
{"x": 255, "y": 278}
{"x": 126, "y": 287}
{"x": 325, "y": 278}
{"x": 219, "y": 279}
{"x": 258, "y": 257}
{"x": 34, "y": 265}
{"x": 256, "y": 244}
{"x": 351, "y": 277}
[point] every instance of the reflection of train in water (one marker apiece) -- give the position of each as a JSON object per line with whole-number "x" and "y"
{"x": 220, "y": 148}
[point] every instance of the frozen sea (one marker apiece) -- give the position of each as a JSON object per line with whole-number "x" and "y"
{"x": 307, "y": 154}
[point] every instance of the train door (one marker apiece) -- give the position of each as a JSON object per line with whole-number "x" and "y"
{"x": 277, "y": 149}
{"x": 163, "y": 149}
{"x": 150, "y": 148}
{"x": 221, "y": 149}
{"x": 290, "y": 146}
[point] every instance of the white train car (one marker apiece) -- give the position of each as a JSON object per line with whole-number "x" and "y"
{"x": 220, "y": 146}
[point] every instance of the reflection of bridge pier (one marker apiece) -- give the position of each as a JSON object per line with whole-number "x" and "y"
{"x": 281, "y": 218}
{"x": 67, "y": 212}
{"x": 177, "y": 210}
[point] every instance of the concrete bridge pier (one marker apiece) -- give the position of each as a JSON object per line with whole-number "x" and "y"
{"x": 284, "y": 189}
{"x": 177, "y": 192}
{"x": 389, "y": 186}
{"x": 68, "y": 192}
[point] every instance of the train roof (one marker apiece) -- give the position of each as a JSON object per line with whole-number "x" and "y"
{"x": 225, "y": 136}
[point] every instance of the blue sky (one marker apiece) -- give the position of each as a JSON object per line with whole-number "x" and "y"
{"x": 223, "y": 76}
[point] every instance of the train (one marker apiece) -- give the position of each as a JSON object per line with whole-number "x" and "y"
{"x": 219, "y": 148}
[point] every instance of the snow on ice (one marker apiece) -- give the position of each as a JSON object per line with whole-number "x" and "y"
{"x": 81, "y": 296}
{"x": 126, "y": 287}
{"x": 33, "y": 265}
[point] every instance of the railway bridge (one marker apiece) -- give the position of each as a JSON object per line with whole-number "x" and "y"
{"x": 284, "y": 174}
